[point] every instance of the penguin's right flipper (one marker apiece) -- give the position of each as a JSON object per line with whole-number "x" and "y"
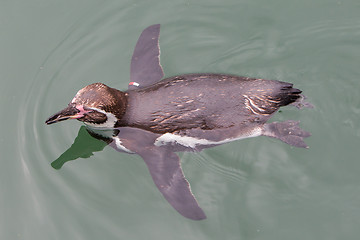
{"x": 165, "y": 170}
{"x": 164, "y": 167}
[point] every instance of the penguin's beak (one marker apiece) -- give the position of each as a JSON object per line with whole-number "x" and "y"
{"x": 70, "y": 112}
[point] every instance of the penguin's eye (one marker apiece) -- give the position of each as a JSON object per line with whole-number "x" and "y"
{"x": 101, "y": 106}
{"x": 94, "y": 117}
{"x": 89, "y": 110}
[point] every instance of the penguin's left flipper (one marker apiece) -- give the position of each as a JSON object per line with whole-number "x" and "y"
{"x": 145, "y": 68}
{"x": 164, "y": 167}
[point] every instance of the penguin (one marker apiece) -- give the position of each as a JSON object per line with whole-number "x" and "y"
{"x": 155, "y": 117}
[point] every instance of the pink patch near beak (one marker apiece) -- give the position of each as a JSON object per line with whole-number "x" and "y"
{"x": 81, "y": 112}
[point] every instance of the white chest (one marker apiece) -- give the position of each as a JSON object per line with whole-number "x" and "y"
{"x": 192, "y": 142}
{"x": 109, "y": 123}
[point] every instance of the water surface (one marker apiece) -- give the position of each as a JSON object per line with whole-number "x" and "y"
{"x": 251, "y": 189}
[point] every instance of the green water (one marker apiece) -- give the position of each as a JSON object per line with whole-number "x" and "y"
{"x": 256, "y": 188}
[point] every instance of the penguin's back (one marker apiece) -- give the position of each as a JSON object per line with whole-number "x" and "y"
{"x": 206, "y": 101}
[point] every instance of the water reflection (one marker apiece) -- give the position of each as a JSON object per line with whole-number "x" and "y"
{"x": 83, "y": 147}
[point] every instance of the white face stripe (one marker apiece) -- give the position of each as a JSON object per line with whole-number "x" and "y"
{"x": 192, "y": 142}
{"x": 110, "y": 122}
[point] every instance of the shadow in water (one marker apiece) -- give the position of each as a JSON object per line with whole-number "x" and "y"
{"x": 83, "y": 147}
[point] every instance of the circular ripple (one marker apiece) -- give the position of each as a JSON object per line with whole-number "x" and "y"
{"x": 88, "y": 52}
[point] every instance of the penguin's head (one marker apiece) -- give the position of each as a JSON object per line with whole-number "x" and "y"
{"x": 97, "y": 105}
